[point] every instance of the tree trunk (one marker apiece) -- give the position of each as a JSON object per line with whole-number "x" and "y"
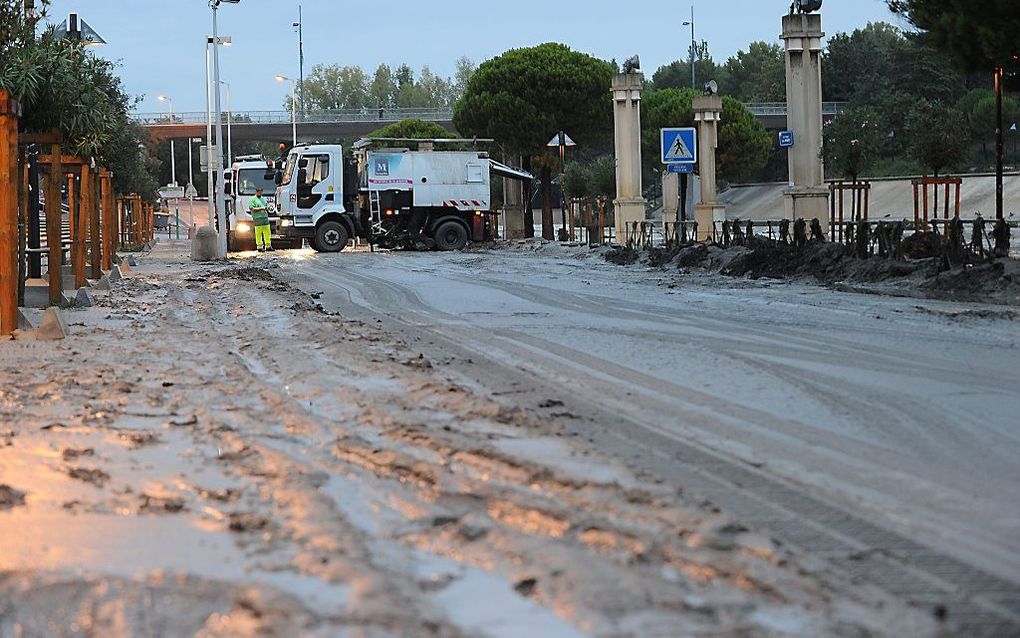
{"x": 547, "y": 207}
{"x": 529, "y": 215}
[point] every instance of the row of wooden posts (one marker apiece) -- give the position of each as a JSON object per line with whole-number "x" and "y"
{"x": 100, "y": 222}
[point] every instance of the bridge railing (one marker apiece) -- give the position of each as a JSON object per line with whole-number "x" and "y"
{"x": 762, "y": 109}
{"x": 309, "y": 117}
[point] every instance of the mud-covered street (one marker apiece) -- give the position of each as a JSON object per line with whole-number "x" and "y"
{"x": 410, "y": 445}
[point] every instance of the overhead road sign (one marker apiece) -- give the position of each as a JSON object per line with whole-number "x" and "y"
{"x": 172, "y": 192}
{"x": 679, "y": 146}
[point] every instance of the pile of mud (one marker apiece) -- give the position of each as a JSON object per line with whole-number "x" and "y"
{"x": 833, "y": 264}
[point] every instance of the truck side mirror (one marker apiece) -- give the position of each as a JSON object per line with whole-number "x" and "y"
{"x": 278, "y": 178}
{"x": 302, "y": 176}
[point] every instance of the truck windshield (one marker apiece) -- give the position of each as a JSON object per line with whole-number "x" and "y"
{"x": 248, "y": 179}
{"x": 288, "y": 172}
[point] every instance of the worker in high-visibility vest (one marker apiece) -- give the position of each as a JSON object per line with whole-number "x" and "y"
{"x": 258, "y": 208}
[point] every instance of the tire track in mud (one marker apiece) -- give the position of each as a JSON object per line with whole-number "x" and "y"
{"x": 590, "y": 551}
{"x": 982, "y": 603}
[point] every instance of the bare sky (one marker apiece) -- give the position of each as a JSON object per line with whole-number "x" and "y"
{"x": 162, "y": 48}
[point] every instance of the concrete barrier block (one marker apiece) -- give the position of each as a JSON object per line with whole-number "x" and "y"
{"x": 83, "y": 299}
{"x": 103, "y": 283}
{"x": 52, "y": 327}
{"x": 131, "y": 260}
{"x": 37, "y": 293}
{"x": 24, "y": 322}
{"x": 205, "y": 245}
{"x": 115, "y": 274}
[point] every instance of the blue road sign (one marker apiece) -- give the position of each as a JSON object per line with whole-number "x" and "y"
{"x": 679, "y": 146}
{"x": 679, "y": 168}
{"x": 785, "y": 139}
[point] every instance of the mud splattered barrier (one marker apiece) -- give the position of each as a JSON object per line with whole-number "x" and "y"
{"x": 833, "y": 264}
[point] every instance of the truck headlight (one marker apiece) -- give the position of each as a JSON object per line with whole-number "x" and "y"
{"x": 243, "y": 228}
{"x": 286, "y": 222}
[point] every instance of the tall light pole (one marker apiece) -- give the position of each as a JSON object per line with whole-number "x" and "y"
{"x": 220, "y": 194}
{"x": 293, "y": 105}
{"x": 694, "y": 81}
{"x": 173, "y": 155}
{"x": 208, "y": 134}
{"x": 230, "y": 121}
{"x": 300, "y": 26}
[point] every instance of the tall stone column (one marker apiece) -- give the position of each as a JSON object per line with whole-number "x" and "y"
{"x": 629, "y": 203}
{"x": 707, "y": 115}
{"x": 807, "y": 197}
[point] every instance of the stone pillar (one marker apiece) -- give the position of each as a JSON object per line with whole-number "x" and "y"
{"x": 807, "y": 197}
{"x": 670, "y": 196}
{"x": 629, "y": 204}
{"x": 707, "y": 115}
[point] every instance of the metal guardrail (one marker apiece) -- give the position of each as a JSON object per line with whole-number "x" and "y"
{"x": 284, "y": 117}
{"x": 763, "y": 109}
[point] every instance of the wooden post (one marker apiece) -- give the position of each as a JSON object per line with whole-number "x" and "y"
{"x": 137, "y": 214}
{"x": 917, "y": 213}
{"x": 924, "y": 208}
{"x": 53, "y": 227}
{"x": 120, "y": 221}
{"x": 108, "y": 215}
{"x": 79, "y": 215}
{"x": 22, "y": 222}
{"x": 9, "y": 281}
{"x": 118, "y": 227}
{"x": 95, "y": 254}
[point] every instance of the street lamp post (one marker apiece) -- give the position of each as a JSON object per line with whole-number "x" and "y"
{"x": 293, "y": 105}
{"x": 230, "y": 121}
{"x": 220, "y": 194}
{"x": 694, "y": 82}
{"x": 208, "y": 135}
{"x": 173, "y": 154}
{"x": 300, "y": 26}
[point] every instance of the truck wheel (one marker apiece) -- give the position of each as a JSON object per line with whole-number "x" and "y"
{"x": 450, "y": 236}
{"x": 331, "y": 237}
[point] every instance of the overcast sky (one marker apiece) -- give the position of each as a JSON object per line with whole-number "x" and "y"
{"x": 162, "y": 49}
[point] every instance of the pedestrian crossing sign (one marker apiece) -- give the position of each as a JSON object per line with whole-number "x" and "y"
{"x": 679, "y": 146}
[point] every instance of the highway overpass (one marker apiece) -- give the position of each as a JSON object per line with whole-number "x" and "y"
{"x": 346, "y": 124}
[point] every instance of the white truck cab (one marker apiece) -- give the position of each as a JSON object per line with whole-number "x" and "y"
{"x": 245, "y": 175}
{"x": 395, "y": 193}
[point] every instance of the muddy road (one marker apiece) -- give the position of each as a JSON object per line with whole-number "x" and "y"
{"x": 875, "y": 433}
{"x": 366, "y": 445}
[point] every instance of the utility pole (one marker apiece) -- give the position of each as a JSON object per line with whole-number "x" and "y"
{"x": 220, "y": 194}
{"x": 173, "y": 154}
{"x": 694, "y": 81}
{"x": 999, "y": 146}
{"x": 300, "y": 26}
{"x": 208, "y": 135}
